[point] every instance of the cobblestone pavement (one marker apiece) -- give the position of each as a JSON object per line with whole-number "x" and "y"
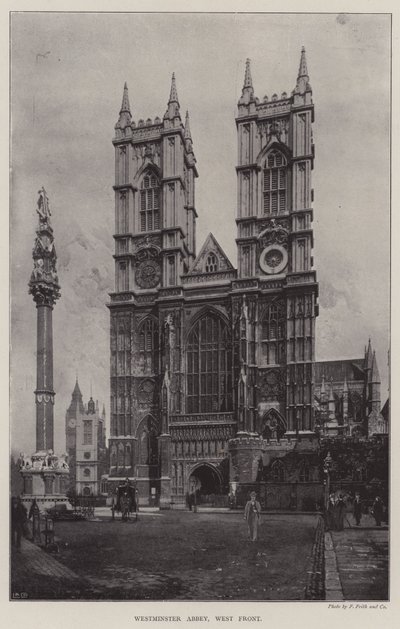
{"x": 361, "y": 555}
{"x": 184, "y": 556}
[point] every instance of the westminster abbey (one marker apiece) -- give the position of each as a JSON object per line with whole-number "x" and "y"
{"x": 212, "y": 367}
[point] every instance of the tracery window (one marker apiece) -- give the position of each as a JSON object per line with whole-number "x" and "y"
{"x": 149, "y": 204}
{"x": 272, "y": 335}
{"x": 209, "y": 373}
{"x": 148, "y": 343}
{"x": 211, "y": 264}
{"x": 277, "y": 472}
{"x": 274, "y": 183}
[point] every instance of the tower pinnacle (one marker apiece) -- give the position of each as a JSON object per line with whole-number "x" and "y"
{"x": 173, "y": 102}
{"x": 247, "y": 90}
{"x": 303, "y": 65}
{"x": 173, "y": 96}
{"x": 125, "y": 116}
{"x": 302, "y": 84}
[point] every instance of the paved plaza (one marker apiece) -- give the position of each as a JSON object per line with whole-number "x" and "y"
{"x": 179, "y": 555}
{"x": 174, "y": 555}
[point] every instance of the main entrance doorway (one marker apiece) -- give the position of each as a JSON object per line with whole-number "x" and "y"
{"x": 205, "y": 481}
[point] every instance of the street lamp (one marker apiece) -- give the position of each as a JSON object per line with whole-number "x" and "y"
{"x": 327, "y": 472}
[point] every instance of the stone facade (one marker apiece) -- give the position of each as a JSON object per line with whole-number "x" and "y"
{"x": 86, "y": 445}
{"x": 348, "y": 397}
{"x": 212, "y": 368}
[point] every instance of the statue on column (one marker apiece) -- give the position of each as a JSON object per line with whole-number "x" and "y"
{"x": 43, "y": 208}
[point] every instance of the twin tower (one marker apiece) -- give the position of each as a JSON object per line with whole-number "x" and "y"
{"x": 211, "y": 366}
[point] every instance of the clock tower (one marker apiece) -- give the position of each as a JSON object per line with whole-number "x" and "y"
{"x": 275, "y": 240}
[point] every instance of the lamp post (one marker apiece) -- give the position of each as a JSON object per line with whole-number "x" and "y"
{"x": 327, "y": 472}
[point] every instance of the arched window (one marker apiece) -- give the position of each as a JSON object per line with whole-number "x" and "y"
{"x": 144, "y": 447}
{"x": 86, "y": 491}
{"x": 277, "y": 472}
{"x": 304, "y": 475}
{"x": 86, "y": 472}
{"x": 272, "y": 335}
{"x": 211, "y": 264}
{"x": 149, "y": 204}
{"x": 274, "y": 183}
{"x": 209, "y": 372}
{"x": 148, "y": 343}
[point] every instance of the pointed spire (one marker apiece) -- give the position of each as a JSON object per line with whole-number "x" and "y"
{"x": 248, "y": 82}
{"x": 247, "y": 90}
{"x": 303, "y": 72}
{"x": 125, "y": 116}
{"x": 103, "y": 412}
{"x": 173, "y": 103}
{"x": 76, "y": 392}
{"x": 125, "y": 107}
{"x": 173, "y": 96}
{"x": 375, "y": 377}
{"x": 188, "y": 135}
{"x": 331, "y": 396}
{"x": 302, "y": 83}
{"x": 368, "y": 356}
{"x": 323, "y": 385}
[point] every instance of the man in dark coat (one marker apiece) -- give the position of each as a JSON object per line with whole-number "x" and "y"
{"x": 377, "y": 510}
{"x": 252, "y": 513}
{"x": 18, "y": 519}
{"x": 357, "y": 509}
{"x": 330, "y": 513}
{"x": 340, "y": 512}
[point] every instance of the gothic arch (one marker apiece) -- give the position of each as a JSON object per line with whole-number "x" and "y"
{"x": 273, "y": 146}
{"x": 273, "y": 425}
{"x": 147, "y": 167}
{"x": 204, "y": 311}
{"x": 278, "y": 471}
{"x": 208, "y": 363}
{"x": 208, "y": 478}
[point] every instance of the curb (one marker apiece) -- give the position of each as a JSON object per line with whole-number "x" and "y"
{"x": 333, "y": 585}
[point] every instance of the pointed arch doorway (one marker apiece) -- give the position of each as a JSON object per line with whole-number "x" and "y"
{"x": 205, "y": 481}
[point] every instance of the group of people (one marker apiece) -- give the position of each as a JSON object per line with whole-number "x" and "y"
{"x": 20, "y": 519}
{"x": 336, "y": 511}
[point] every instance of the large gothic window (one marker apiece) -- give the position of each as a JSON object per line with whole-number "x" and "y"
{"x": 148, "y": 343}
{"x": 274, "y": 184}
{"x": 209, "y": 373}
{"x": 272, "y": 335}
{"x": 149, "y": 204}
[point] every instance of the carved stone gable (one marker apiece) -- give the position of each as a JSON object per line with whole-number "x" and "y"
{"x": 211, "y": 258}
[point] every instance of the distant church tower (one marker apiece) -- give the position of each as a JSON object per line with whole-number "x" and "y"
{"x": 275, "y": 240}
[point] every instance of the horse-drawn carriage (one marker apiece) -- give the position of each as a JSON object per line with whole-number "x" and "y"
{"x": 126, "y": 501}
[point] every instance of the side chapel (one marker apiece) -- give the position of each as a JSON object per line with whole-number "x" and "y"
{"x": 212, "y": 367}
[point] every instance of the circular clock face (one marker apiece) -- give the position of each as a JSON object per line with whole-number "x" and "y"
{"x": 273, "y": 259}
{"x": 148, "y": 274}
{"x": 72, "y": 423}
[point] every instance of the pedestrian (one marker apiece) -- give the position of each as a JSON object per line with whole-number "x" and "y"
{"x": 18, "y": 519}
{"x": 330, "y": 513}
{"x": 34, "y": 513}
{"x": 339, "y": 513}
{"x": 252, "y": 513}
{"x": 377, "y": 510}
{"x": 357, "y": 508}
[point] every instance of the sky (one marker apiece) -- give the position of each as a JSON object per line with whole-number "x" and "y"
{"x": 67, "y": 76}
